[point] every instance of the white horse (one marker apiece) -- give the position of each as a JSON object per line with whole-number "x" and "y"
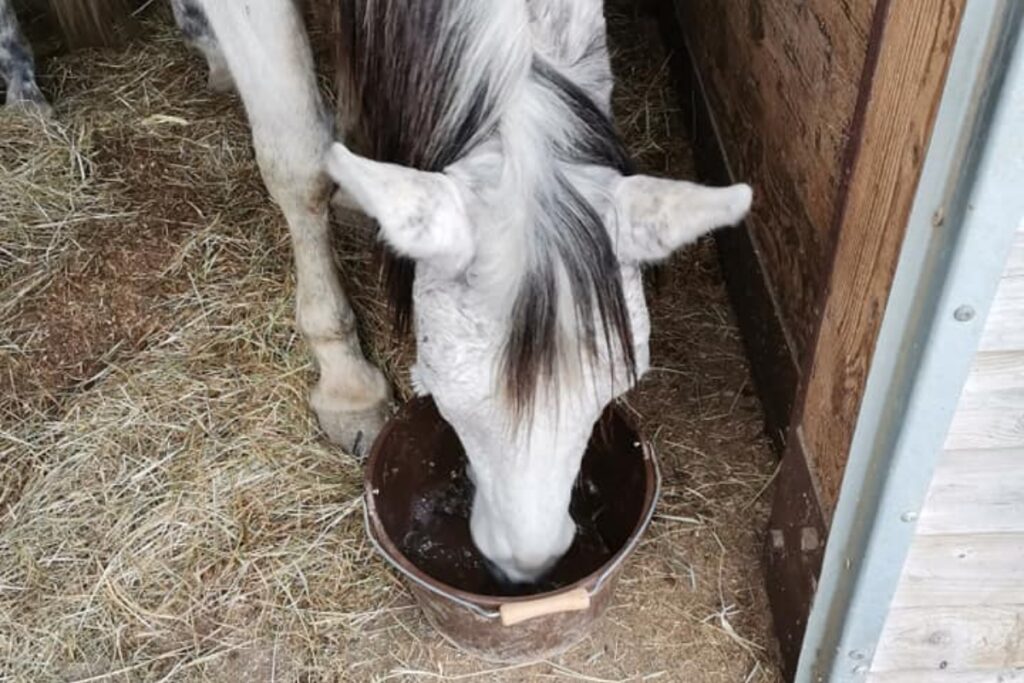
{"x": 517, "y": 227}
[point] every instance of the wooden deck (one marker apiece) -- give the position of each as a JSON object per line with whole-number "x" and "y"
{"x": 958, "y": 613}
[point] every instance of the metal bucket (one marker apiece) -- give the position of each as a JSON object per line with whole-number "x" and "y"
{"x": 417, "y": 516}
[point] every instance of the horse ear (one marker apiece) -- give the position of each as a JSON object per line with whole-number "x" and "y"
{"x": 657, "y": 216}
{"x": 421, "y": 214}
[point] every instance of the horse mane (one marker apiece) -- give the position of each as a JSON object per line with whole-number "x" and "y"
{"x": 92, "y": 23}
{"x": 425, "y": 83}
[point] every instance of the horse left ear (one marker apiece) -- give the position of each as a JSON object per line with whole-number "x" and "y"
{"x": 421, "y": 214}
{"x": 657, "y": 216}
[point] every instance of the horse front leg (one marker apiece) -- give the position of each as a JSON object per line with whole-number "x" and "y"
{"x": 265, "y": 47}
{"x": 17, "y": 68}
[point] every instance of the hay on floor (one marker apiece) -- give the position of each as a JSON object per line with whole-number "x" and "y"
{"x": 168, "y": 507}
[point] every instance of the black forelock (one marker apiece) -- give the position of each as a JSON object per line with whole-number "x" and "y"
{"x": 575, "y": 239}
{"x": 401, "y": 61}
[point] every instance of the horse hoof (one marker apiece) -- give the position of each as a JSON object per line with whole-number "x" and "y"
{"x": 354, "y": 431}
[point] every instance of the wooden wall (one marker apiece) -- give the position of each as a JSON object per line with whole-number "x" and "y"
{"x": 912, "y": 43}
{"x": 826, "y": 107}
{"x": 782, "y": 79}
{"x": 774, "y": 89}
{"x": 900, "y": 99}
{"x": 958, "y": 612}
{"x": 791, "y": 87}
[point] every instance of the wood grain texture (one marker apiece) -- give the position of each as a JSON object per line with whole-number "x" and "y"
{"x": 963, "y": 570}
{"x": 782, "y": 81}
{"x": 994, "y": 372}
{"x": 952, "y": 639}
{"x": 1004, "y": 328}
{"x": 916, "y": 45}
{"x": 990, "y": 413}
{"x": 947, "y": 676}
{"x": 976, "y": 492}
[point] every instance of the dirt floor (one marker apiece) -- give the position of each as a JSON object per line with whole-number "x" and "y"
{"x": 169, "y": 510}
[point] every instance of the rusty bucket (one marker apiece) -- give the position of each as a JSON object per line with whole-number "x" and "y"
{"x": 417, "y": 515}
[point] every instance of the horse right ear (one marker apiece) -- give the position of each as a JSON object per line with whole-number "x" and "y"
{"x": 421, "y": 214}
{"x": 656, "y": 216}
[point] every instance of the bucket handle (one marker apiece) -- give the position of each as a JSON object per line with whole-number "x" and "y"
{"x": 575, "y": 600}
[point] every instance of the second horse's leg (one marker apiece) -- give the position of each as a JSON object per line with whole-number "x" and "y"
{"x": 17, "y": 68}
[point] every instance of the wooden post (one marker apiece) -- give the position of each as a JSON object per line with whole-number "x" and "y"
{"x": 908, "y": 58}
{"x": 826, "y": 109}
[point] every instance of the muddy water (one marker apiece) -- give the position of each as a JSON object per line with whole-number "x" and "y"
{"x": 439, "y": 543}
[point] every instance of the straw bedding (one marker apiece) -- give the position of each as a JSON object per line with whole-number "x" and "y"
{"x": 168, "y": 508}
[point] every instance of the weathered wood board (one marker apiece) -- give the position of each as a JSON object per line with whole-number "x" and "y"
{"x": 782, "y": 80}
{"x": 1004, "y": 329}
{"x": 976, "y": 492}
{"x": 963, "y": 570}
{"x": 952, "y": 639}
{"x": 991, "y": 409}
{"x": 917, "y": 40}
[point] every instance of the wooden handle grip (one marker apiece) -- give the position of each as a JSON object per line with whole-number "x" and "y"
{"x": 575, "y": 600}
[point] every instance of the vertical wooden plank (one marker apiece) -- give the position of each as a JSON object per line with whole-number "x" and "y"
{"x": 776, "y": 371}
{"x": 782, "y": 80}
{"x": 916, "y": 44}
{"x": 902, "y": 86}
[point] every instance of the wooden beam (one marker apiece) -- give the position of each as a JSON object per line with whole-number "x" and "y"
{"x": 899, "y": 102}
{"x": 782, "y": 81}
{"x": 908, "y": 58}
